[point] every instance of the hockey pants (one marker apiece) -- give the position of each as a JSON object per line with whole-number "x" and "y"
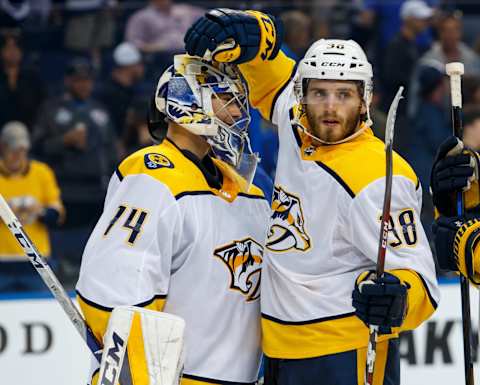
{"x": 347, "y": 368}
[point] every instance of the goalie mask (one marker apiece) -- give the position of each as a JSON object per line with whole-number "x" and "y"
{"x": 210, "y": 100}
{"x": 330, "y": 59}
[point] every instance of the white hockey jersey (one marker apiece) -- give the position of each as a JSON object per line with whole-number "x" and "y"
{"x": 168, "y": 241}
{"x": 324, "y": 231}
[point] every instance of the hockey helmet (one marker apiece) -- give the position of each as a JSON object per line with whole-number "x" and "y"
{"x": 184, "y": 95}
{"x": 333, "y": 59}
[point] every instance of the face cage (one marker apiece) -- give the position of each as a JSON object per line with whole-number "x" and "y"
{"x": 229, "y": 142}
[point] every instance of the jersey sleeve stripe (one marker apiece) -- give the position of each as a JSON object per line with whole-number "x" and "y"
{"x": 317, "y": 320}
{"x": 188, "y": 193}
{"x": 281, "y": 89}
{"x": 251, "y": 196}
{"x": 200, "y": 380}
{"x": 119, "y": 174}
{"x": 105, "y": 308}
{"x": 427, "y": 289}
{"x": 295, "y": 130}
{"x": 337, "y": 178}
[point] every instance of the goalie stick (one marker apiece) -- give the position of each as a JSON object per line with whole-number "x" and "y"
{"x": 384, "y": 223}
{"x": 455, "y": 71}
{"x": 48, "y": 276}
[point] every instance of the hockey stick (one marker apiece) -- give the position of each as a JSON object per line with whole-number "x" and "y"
{"x": 385, "y": 221}
{"x": 48, "y": 276}
{"x": 455, "y": 71}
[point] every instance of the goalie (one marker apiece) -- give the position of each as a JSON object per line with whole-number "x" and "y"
{"x": 181, "y": 232}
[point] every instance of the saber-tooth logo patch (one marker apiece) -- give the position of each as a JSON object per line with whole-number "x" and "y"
{"x": 287, "y": 224}
{"x": 243, "y": 259}
{"x": 154, "y": 161}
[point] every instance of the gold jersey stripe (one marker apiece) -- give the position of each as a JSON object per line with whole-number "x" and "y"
{"x": 181, "y": 175}
{"x": 266, "y": 80}
{"x": 342, "y": 160}
{"x": 307, "y": 340}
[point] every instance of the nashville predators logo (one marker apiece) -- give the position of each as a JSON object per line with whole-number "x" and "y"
{"x": 243, "y": 259}
{"x": 154, "y": 161}
{"x": 287, "y": 225}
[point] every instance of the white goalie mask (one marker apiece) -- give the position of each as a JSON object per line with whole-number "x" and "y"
{"x": 332, "y": 59}
{"x": 185, "y": 94}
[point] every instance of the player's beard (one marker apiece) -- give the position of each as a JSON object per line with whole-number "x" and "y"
{"x": 348, "y": 125}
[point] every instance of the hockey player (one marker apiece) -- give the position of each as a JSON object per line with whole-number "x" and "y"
{"x": 182, "y": 227}
{"x": 325, "y": 220}
{"x": 456, "y": 168}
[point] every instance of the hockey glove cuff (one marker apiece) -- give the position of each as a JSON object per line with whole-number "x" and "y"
{"x": 457, "y": 245}
{"x": 380, "y": 301}
{"x": 234, "y": 36}
{"x": 454, "y": 169}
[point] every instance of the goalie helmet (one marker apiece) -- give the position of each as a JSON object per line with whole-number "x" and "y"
{"x": 332, "y": 59}
{"x": 184, "y": 95}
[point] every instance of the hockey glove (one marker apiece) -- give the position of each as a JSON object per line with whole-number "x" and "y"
{"x": 456, "y": 244}
{"x": 234, "y": 36}
{"x": 454, "y": 169}
{"x": 380, "y": 301}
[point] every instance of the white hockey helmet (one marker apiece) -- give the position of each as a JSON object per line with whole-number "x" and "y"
{"x": 333, "y": 59}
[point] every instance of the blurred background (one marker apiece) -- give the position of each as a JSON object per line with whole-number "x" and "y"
{"x": 75, "y": 80}
{"x": 76, "y": 76}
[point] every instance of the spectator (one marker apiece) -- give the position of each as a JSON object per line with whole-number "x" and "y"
{"x": 31, "y": 190}
{"x": 471, "y": 90}
{"x": 74, "y": 135}
{"x": 450, "y": 47}
{"x": 471, "y": 127}
{"x": 402, "y": 52}
{"x": 161, "y": 25}
{"x": 136, "y": 134}
{"x": 90, "y": 26}
{"x": 21, "y": 89}
{"x": 431, "y": 126}
{"x": 297, "y": 33}
{"x": 119, "y": 91}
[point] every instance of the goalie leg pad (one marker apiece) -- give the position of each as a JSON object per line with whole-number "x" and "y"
{"x": 142, "y": 347}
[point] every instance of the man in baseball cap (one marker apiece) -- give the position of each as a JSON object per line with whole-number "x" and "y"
{"x": 416, "y": 9}
{"x": 31, "y": 190}
{"x": 119, "y": 91}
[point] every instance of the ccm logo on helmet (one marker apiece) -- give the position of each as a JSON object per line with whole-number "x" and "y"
{"x": 331, "y": 64}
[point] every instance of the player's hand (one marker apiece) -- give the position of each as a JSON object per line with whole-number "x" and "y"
{"x": 454, "y": 169}
{"x": 380, "y": 301}
{"x": 456, "y": 240}
{"x": 234, "y": 36}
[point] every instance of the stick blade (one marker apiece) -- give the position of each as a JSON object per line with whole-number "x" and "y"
{"x": 392, "y": 115}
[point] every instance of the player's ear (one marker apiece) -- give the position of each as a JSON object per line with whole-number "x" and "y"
{"x": 363, "y": 108}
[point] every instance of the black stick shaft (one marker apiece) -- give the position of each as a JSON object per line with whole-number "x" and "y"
{"x": 464, "y": 285}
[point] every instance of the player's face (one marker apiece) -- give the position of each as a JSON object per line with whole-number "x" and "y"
{"x": 333, "y": 108}
{"x": 226, "y": 108}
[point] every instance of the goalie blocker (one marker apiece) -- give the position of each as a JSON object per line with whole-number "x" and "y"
{"x": 142, "y": 347}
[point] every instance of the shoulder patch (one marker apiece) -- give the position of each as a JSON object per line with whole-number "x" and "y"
{"x": 154, "y": 160}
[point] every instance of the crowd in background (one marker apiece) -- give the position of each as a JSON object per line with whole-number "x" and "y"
{"x": 76, "y": 77}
